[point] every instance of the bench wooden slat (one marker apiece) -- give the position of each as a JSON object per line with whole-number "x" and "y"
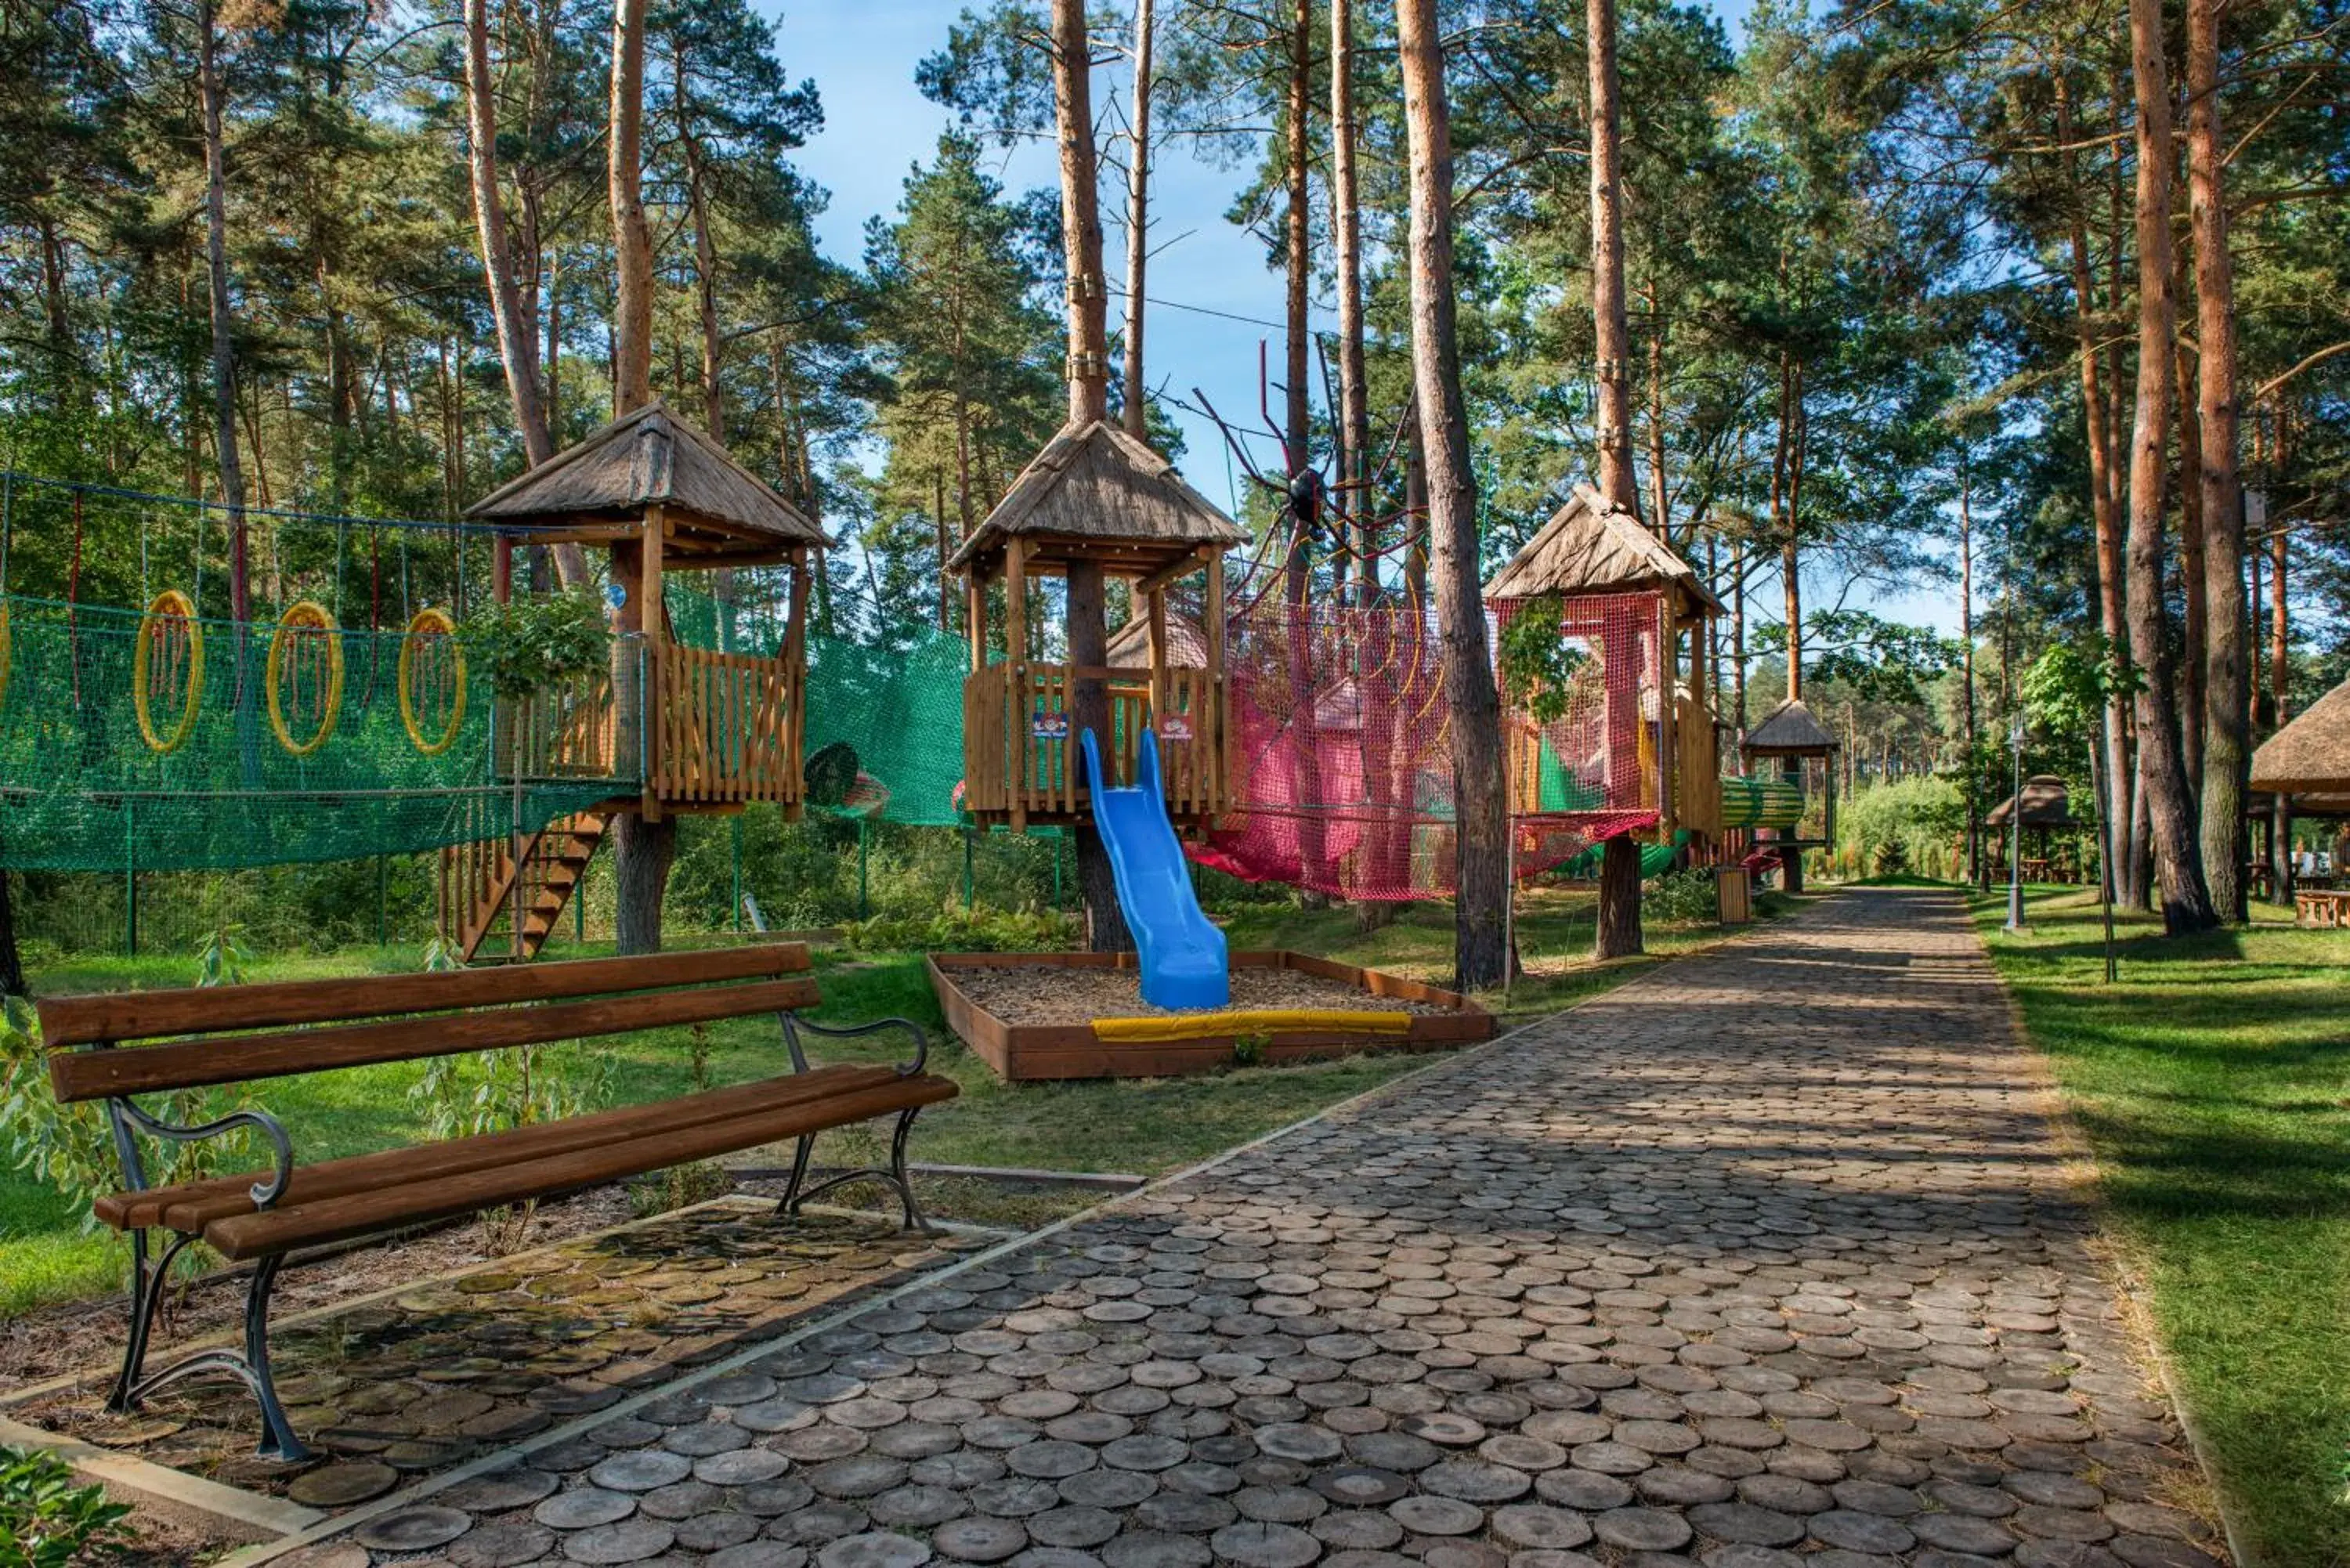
{"x": 115, "y": 1017}
{"x": 364, "y": 1213}
{"x": 189, "y": 1206}
{"x": 236, "y": 1059}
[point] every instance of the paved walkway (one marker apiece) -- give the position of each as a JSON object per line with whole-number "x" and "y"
{"x": 1764, "y": 1260}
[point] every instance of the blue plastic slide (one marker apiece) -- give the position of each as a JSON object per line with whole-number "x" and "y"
{"x": 1182, "y": 955}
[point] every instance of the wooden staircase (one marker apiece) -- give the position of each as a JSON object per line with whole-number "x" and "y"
{"x": 487, "y": 893}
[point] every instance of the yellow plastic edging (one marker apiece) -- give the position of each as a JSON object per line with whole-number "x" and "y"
{"x": 304, "y": 617}
{"x": 169, "y": 604}
{"x": 430, "y": 622}
{"x": 1250, "y": 1020}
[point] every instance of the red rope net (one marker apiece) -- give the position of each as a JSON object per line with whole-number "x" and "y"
{"x": 1341, "y": 741}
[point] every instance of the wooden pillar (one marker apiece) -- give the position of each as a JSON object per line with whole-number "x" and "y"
{"x": 795, "y": 686}
{"x": 975, "y": 615}
{"x": 1089, "y": 709}
{"x": 1016, "y": 678}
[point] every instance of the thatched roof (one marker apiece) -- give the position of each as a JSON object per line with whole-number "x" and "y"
{"x": 1789, "y": 731}
{"x": 1096, "y": 492}
{"x": 2047, "y": 804}
{"x": 1186, "y": 644}
{"x": 714, "y": 505}
{"x": 2311, "y": 753}
{"x": 1590, "y": 547}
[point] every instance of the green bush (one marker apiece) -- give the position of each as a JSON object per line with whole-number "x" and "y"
{"x": 955, "y": 929}
{"x": 1682, "y": 899}
{"x": 536, "y": 639}
{"x": 49, "y": 1521}
{"x": 1905, "y": 826}
{"x": 66, "y": 1147}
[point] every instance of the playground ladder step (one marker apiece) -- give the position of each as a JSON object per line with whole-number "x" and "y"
{"x": 553, "y": 863}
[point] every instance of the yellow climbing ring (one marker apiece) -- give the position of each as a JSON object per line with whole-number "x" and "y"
{"x": 170, "y": 606}
{"x": 305, "y": 620}
{"x": 429, "y": 623}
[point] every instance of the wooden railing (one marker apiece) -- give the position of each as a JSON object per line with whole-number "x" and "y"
{"x": 724, "y": 728}
{"x": 1020, "y": 751}
{"x": 567, "y": 730}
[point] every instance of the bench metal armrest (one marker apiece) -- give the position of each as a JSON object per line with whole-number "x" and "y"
{"x": 793, "y": 1024}
{"x": 126, "y": 1116}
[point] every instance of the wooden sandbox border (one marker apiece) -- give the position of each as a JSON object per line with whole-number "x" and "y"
{"x": 1034, "y": 1051}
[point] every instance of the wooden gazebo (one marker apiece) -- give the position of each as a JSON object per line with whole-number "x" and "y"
{"x": 677, "y": 728}
{"x": 2308, "y": 764}
{"x": 2042, "y": 807}
{"x": 1589, "y": 552}
{"x": 1095, "y": 503}
{"x": 1792, "y": 736}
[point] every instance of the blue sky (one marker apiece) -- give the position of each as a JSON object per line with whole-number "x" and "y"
{"x": 1205, "y": 271}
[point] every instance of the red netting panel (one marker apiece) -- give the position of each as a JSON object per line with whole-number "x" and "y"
{"x": 1341, "y": 743}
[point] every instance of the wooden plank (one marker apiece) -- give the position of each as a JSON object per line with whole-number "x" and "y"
{"x": 194, "y": 1204}
{"x": 365, "y": 1213}
{"x": 114, "y": 1017}
{"x": 240, "y": 1058}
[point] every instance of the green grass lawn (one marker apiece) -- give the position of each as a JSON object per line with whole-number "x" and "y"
{"x": 1141, "y": 1126}
{"x": 2213, "y": 1083}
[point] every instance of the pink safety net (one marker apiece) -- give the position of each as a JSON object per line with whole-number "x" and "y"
{"x": 1341, "y": 747}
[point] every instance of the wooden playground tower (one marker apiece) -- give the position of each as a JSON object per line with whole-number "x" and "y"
{"x": 678, "y": 729}
{"x": 1095, "y": 503}
{"x": 1662, "y": 745}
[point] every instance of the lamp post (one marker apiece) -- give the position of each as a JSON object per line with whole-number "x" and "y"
{"x": 2015, "y": 830}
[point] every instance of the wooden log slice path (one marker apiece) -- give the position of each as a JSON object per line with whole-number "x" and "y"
{"x": 1764, "y": 1259}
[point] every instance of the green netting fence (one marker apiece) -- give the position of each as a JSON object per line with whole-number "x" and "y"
{"x": 193, "y": 753}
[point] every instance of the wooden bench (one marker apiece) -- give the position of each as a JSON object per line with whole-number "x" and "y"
{"x": 117, "y": 1047}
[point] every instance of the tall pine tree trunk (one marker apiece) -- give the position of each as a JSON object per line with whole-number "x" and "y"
{"x": 2227, "y": 715}
{"x": 1347, "y": 254}
{"x": 2105, "y": 496}
{"x": 2170, "y": 822}
{"x": 518, "y": 349}
{"x": 223, "y": 322}
{"x": 645, "y": 844}
{"x": 1297, "y": 431}
{"x": 1616, "y": 932}
{"x": 1081, "y": 238}
{"x": 1480, "y": 942}
{"x": 1135, "y": 415}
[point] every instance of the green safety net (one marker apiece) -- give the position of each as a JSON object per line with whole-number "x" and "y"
{"x": 883, "y": 709}
{"x": 896, "y": 705}
{"x": 85, "y": 786}
{"x": 1760, "y": 802}
{"x": 1561, "y": 791}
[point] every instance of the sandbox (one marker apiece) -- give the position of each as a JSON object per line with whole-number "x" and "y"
{"x": 1081, "y": 1015}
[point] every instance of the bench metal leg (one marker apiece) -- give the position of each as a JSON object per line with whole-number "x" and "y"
{"x": 251, "y": 1368}
{"x": 894, "y": 1175}
{"x": 147, "y": 1286}
{"x": 277, "y": 1438}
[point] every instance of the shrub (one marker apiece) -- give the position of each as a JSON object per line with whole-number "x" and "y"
{"x": 48, "y": 1522}
{"x": 955, "y": 929}
{"x": 536, "y": 639}
{"x": 1683, "y": 897}
{"x": 65, "y": 1147}
{"x": 1885, "y": 829}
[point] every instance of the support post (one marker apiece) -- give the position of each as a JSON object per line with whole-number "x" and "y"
{"x": 130, "y": 880}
